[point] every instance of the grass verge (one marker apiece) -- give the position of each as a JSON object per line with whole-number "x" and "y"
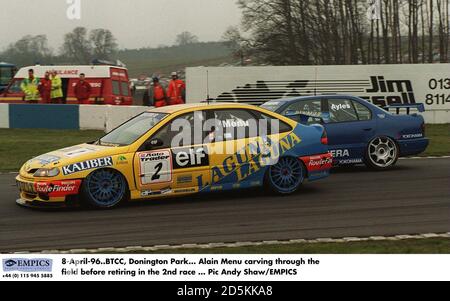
{"x": 439, "y": 135}
{"x": 19, "y": 145}
{"x": 407, "y": 246}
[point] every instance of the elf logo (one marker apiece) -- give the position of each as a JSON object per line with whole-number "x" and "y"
{"x": 402, "y": 88}
{"x": 190, "y": 157}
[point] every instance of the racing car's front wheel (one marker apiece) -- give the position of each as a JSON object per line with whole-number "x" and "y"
{"x": 382, "y": 153}
{"x": 286, "y": 176}
{"x": 104, "y": 188}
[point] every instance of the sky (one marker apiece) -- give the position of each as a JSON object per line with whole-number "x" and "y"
{"x": 135, "y": 23}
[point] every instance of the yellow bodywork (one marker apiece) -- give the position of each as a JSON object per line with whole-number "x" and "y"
{"x": 125, "y": 159}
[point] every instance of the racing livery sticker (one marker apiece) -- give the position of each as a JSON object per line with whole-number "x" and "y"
{"x": 58, "y": 188}
{"x": 247, "y": 162}
{"x": 316, "y": 163}
{"x": 184, "y": 179}
{"x": 86, "y": 165}
{"x": 73, "y": 152}
{"x": 190, "y": 157}
{"x": 340, "y": 153}
{"x": 46, "y": 159}
{"x": 155, "y": 167}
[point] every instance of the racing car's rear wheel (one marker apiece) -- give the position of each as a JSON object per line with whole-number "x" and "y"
{"x": 382, "y": 153}
{"x": 104, "y": 188}
{"x": 286, "y": 176}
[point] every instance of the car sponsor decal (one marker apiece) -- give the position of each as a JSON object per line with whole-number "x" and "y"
{"x": 147, "y": 193}
{"x": 73, "y": 152}
{"x": 87, "y": 165}
{"x": 185, "y": 190}
{"x": 248, "y": 160}
{"x": 122, "y": 160}
{"x": 184, "y": 179}
{"x": 58, "y": 188}
{"x": 412, "y": 136}
{"x": 190, "y": 157}
{"x": 320, "y": 162}
{"x": 46, "y": 159}
{"x": 155, "y": 167}
{"x": 340, "y": 153}
{"x": 350, "y": 161}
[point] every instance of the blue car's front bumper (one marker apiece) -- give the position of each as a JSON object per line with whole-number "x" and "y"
{"x": 413, "y": 146}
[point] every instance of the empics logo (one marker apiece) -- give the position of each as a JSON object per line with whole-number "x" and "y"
{"x": 27, "y": 265}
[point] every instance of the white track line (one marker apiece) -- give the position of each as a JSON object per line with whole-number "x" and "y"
{"x": 240, "y": 244}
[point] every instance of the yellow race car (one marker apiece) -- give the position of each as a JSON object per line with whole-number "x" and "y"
{"x": 176, "y": 151}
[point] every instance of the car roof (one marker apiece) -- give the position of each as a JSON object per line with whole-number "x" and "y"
{"x": 309, "y": 97}
{"x": 200, "y": 106}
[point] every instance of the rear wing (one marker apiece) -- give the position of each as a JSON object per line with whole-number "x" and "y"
{"x": 418, "y": 106}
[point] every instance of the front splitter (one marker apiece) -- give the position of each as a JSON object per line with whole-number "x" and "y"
{"x": 44, "y": 205}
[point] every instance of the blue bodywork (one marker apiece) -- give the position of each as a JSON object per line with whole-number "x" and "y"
{"x": 244, "y": 169}
{"x": 348, "y": 140}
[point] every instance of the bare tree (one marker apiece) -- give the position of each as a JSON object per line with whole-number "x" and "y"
{"x": 104, "y": 43}
{"x": 76, "y": 46}
{"x": 186, "y": 38}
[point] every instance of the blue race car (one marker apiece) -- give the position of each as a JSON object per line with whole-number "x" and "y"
{"x": 358, "y": 131}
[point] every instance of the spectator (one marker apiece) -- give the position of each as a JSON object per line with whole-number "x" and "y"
{"x": 157, "y": 95}
{"x": 83, "y": 90}
{"x": 176, "y": 92}
{"x": 57, "y": 93}
{"x": 29, "y": 86}
{"x": 45, "y": 88}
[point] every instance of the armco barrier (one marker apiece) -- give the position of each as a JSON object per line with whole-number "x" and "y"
{"x": 26, "y": 116}
{"x": 84, "y": 117}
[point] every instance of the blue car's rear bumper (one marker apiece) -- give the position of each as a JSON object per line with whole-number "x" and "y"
{"x": 413, "y": 146}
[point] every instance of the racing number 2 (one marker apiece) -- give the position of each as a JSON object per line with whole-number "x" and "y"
{"x": 158, "y": 168}
{"x": 155, "y": 167}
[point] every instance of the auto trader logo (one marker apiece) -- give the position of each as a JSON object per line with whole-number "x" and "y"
{"x": 27, "y": 265}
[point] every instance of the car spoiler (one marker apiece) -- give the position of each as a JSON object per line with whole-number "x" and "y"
{"x": 419, "y": 106}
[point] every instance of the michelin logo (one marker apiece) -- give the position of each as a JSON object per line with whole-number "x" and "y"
{"x": 86, "y": 165}
{"x": 27, "y": 265}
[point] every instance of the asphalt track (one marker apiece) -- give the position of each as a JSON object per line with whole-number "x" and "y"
{"x": 412, "y": 198}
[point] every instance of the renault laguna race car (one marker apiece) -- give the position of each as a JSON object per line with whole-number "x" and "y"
{"x": 359, "y": 131}
{"x": 176, "y": 151}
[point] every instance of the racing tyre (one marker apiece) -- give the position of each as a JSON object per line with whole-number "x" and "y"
{"x": 382, "y": 153}
{"x": 104, "y": 188}
{"x": 286, "y": 176}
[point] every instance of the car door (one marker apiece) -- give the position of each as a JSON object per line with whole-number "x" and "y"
{"x": 349, "y": 126}
{"x": 232, "y": 147}
{"x": 180, "y": 163}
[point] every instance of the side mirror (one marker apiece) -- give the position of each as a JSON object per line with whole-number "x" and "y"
{"x": 153, "y": 143}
